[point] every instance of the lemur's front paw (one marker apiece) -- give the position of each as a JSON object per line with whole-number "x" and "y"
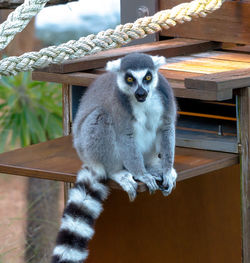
{"x": 169, "y": 182}
{"x": 129, "y": 185}
{"x": 156, "y": 173}
{"x": 126, "y": 181}
{"x": 149, "y": 180}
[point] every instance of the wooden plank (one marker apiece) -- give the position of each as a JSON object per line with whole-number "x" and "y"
{"x": 182, "y": 92}
{"x": 176, "y": 81}
{"x": 230, "y": 23}
{"x": 66, "y": 99}
{"x": 66, "y": 109}
{"x": 220, "y": 81}
{"x": 57, "y": 160}
{"x": 206, "y": 141}
{"x": 85, "y": 79}
{"x": 203, "y": 65}
{"x": 222, "y": 55}
{"x": 238, "y": 48}
{"x": 77, "y": 78}
{"x": 167, "y": 48}
{"x": 244, "y": 123}
{"x": 178, "y": 75}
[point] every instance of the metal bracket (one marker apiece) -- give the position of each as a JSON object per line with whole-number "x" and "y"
{"x": 134, "y": 9}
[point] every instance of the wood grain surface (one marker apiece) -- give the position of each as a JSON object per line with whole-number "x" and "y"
{"x": 204, "y": 65}
{"x": 175, "y": 78}
{"x": 222, "y": 55}
{"x": 57, "y": 160}
{"x": 200, "y": 222}
{"x": 244, "y": 122}
{"x": 167, "y": 48}
{"x": 230, "y": 23}
{"x": 231, "y": 79}
{"x": 208, "y": 75}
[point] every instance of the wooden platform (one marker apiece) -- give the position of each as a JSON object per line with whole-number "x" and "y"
{"x": 57, "y": 160}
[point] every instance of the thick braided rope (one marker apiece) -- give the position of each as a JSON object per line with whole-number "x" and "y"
{"x": 18, "y": 20}
{"x": 108, "y": 39}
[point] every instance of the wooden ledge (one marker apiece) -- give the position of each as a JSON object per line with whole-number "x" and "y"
{"x": 220, "y": 81}
{"x": 57, "y": 160}
{"x": 85, "y": 79}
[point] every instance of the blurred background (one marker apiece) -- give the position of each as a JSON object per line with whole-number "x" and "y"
{"x": 31, "y": 112}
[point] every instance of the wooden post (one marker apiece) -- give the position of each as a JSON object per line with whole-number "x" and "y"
{"x": 66, "y": 97}
{"x": 66, "y": 109}
{"x": 244, "y": 116}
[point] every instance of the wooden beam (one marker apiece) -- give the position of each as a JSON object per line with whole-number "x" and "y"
{"x": 241, "y": 49}
{"x": 167, "y": 48}
{"x": 220, "y": 81}
{"x": 77, "y": 78}
{"x": 66, "y": 102}
{"x": 230, "y": 23}
{"x": 11, "y": 4}
{"x": 85, "y": 79}
{"x": 244, "y": 123}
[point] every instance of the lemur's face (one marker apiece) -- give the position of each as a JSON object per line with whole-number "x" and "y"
{"x": 138, "y": 83}
{"x": 137, "y": 74}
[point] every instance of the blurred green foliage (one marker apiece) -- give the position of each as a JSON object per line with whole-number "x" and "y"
{"x": 30, "y": 111}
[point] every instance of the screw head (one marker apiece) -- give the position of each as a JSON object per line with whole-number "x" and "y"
{"x": 142, "y": 11}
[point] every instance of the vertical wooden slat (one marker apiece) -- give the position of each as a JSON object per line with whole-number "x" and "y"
{"x": 66, "y": 109}
{"x": 66, "y": 97}
{"x": 244, "y": 111}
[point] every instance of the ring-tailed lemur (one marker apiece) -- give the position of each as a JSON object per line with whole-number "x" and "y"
{"x": 125, "y": 122}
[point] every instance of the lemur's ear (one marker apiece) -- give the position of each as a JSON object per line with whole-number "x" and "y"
{"x": 158, "y": 61}
{"x": 113, "y": 65}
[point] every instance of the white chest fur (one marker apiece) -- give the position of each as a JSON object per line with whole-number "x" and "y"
{"x": 148, "y": 118}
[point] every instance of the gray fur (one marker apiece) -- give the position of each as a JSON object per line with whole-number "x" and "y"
{"x": 119, "y": 131}
{"x": 135, "y": 61}
{"x": 108, "y": 123}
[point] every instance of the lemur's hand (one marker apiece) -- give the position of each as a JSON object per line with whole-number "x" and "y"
{"x": 149, "y": 180}
{"x": 169, "y": 182}
{"x": 126, "y": 181}
{"x": 156, "y": 172}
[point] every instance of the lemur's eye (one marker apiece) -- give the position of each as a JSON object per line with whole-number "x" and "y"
{"x": 130, "y": 79}
{"x": 148, "y": 77}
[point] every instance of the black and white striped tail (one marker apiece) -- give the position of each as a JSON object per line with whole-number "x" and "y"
{"x": 82, "y": 209}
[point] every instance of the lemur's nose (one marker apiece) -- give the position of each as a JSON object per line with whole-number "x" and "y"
{"x": 141, "y": 94}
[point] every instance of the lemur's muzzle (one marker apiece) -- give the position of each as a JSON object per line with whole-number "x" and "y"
{"x": 141, "y": 94}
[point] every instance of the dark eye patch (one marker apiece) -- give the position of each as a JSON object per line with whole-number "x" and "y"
{"x": 129, "y": 78}
{"x": 148, "y": 77}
